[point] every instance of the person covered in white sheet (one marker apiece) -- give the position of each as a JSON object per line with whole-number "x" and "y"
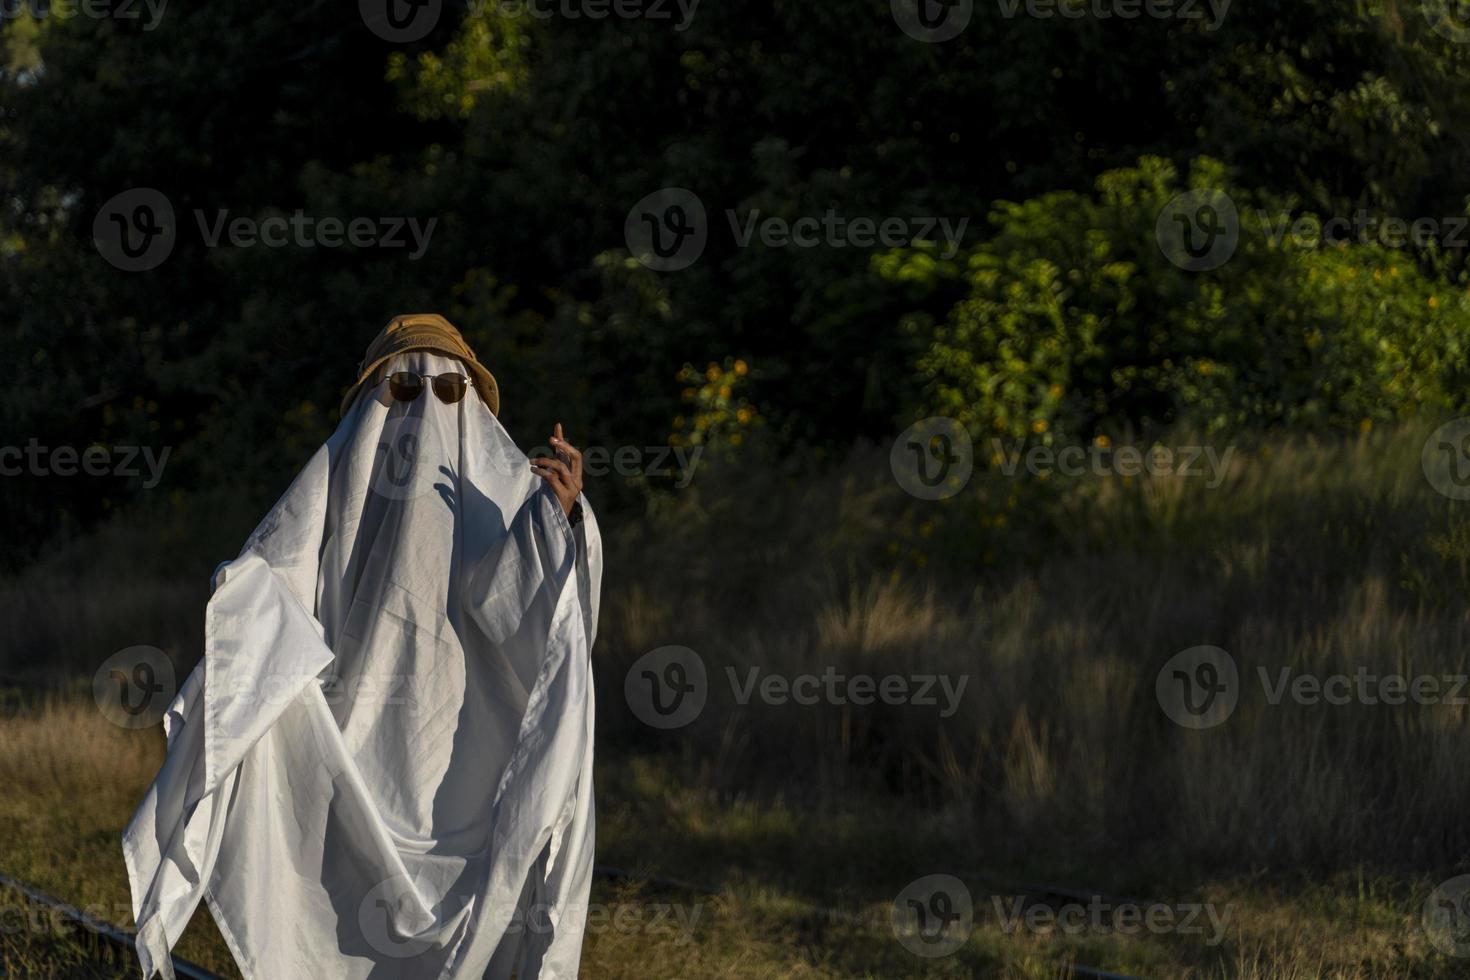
{"x": 382, "y": 768}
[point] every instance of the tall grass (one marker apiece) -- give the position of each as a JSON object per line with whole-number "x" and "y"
{"x": 1059, "y": 600}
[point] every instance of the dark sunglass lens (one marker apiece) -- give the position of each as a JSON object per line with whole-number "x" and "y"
{"x": 405, "y": 386}
{"x": 451, "y": 387}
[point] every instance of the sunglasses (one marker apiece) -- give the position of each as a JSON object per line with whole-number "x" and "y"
{"x": 405, "y": 386}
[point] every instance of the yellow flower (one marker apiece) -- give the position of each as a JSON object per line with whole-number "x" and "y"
{"x": 1102, "y": 442}
{"x": 724, "y": 391}
{"x": 741, "y": 367}
{"x": 713, "y": 372}
{"x": 1039, "y": 426}
{"x": 1434, "y": 302}
{"x": 688, "y": 394}
{"x": 743, "y": 415}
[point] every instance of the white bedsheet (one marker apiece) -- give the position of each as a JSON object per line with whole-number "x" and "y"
{"x": 382, "y": 768}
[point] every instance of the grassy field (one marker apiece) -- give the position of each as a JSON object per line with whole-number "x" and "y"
{"x": 798, "y": 895}
{"x": 1314, "y": 831}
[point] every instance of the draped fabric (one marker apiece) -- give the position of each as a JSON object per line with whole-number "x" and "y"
{"x": 382, "y": 767}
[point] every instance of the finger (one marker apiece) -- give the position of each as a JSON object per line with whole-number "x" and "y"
{"x": 554, "y": 464}
{"x": 566, "y": 447}
{"x": 551, "y": 476}
{"x": 571, "y": 454}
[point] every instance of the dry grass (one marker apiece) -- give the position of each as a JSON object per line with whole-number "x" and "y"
{"x": 1322, "y": 826}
